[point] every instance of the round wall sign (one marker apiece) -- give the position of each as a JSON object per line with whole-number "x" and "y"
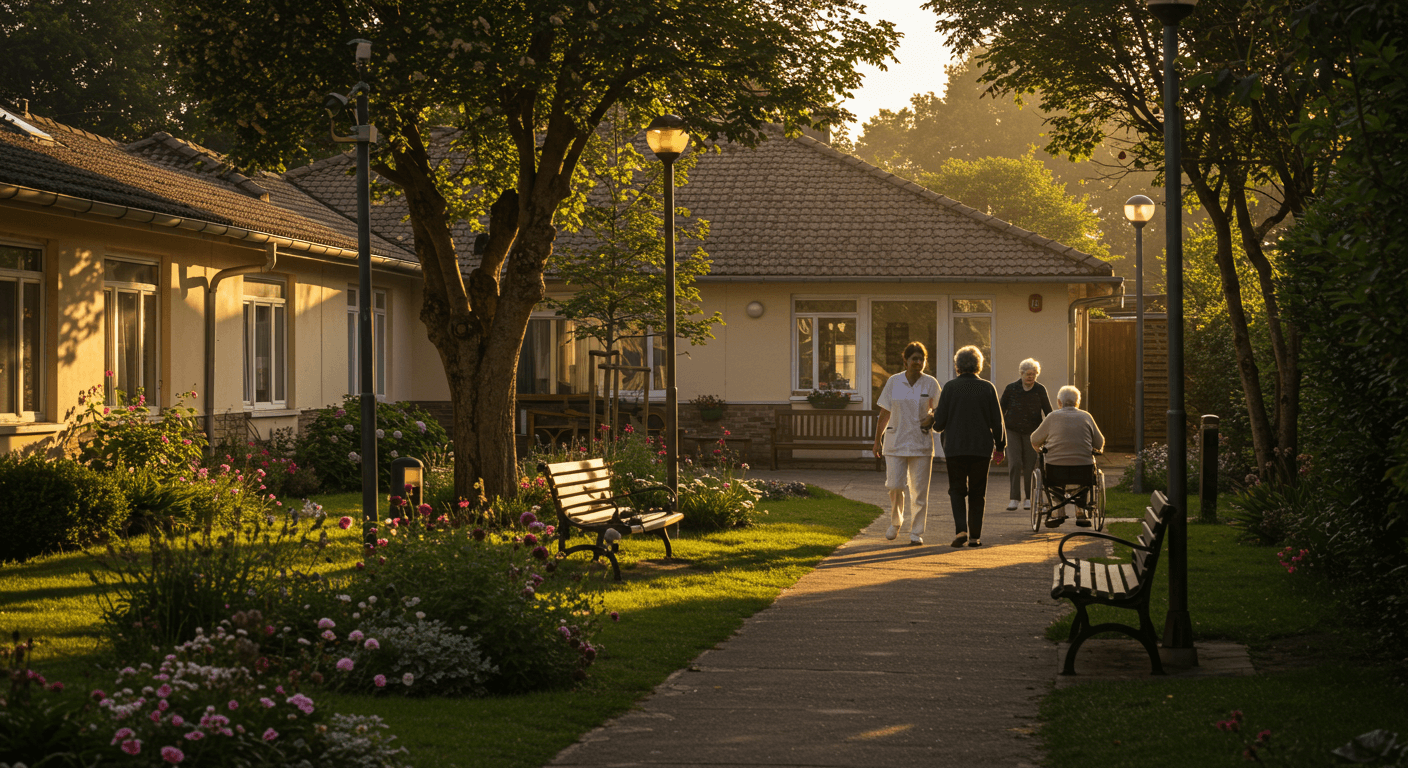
{"x": 1034, "y": 302}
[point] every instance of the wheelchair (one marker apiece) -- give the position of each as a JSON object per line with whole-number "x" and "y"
{"x": 1047, "y": 498}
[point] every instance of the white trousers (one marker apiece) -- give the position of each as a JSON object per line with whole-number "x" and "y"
{"x": 907, "y": 479}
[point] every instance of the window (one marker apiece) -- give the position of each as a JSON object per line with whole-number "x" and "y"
{"x": 21, "y": 282}
{"x": 825, "y": 343}
{"x": 354, "y": 370}
{"x": 265, "y": 343}
{"x": 553, "y": 361}
{"x": 635, "y": 352}
{"x": 130, "y": 329}
{"x": 893, "y": 325}
{"x": 972, "y": 324}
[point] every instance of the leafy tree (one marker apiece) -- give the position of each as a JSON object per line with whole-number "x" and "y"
{"x": 523, "y": 87}
{"x": 94, "y": 65}
{"x": 1097, "y": 66}
{"x": 1021, "y": 191}
{"x": 616, "y": 279}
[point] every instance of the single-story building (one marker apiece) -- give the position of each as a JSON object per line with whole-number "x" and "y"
{"x": 824, "y": 268}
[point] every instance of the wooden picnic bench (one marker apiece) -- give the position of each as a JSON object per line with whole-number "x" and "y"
{"x": 839, "y": 429}
{"x": 1121, "y": 585}
{"x": 581, "y": 493}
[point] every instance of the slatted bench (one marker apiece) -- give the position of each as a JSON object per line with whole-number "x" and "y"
{"x": 1121, "y": 585}
{"x": 581, "y": 493}
{"x": 839, "y": 429}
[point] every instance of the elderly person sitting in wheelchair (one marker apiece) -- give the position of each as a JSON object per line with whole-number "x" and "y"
{"x": 1070, "y": 440}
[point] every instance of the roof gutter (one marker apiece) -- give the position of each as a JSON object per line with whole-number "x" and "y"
{"x": 910, "y": 279}
{"x": 142, "y": 216}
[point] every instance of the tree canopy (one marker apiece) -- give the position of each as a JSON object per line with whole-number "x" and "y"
{"x": 522, "y": 86}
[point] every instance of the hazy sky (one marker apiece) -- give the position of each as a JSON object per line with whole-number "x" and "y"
{"x": 922, "y": 58}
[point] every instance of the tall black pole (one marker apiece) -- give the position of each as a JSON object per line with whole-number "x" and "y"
{"x": 1139, "y": 356}
{"x": 1178, "y": 627}
{"x": 364, "y": 316}
{"x": 672, "y": 414}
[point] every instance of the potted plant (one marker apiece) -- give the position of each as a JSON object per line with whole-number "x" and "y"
{"x": 829, "y": 398}
{"x": 711, "y": 407}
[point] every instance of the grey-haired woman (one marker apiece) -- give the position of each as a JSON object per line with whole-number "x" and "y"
{"x": 970, "y": 419}
{"x": 1024, "y": 404}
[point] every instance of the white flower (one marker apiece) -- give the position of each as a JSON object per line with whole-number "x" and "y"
{"x": 408, "y": 678}
{"x": 396, "y": 434}
{"x": 394, "y": 454}
{"x": 380, "y": 434}
{"x": 420, "y": 425}
{"x": 348, "y": 427}
{"x": 353, "y": 457}
{"x": 420, "y": 614}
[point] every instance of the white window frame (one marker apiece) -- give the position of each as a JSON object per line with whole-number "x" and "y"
{"x": 380, "y": 330}
{"x": 991, "y": 315}
{"x": 279, "y": 360}
{"x": 21, "y": 278}
{"x": 111, "y": 290}
{"x": 862, "y": 309}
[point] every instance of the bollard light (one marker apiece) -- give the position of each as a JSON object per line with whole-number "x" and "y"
{"x": 408, "y": 480}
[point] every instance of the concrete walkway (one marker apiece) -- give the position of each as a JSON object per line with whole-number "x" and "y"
{"x": 885, "y": 655}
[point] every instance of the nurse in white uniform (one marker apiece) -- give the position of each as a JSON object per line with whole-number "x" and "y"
{"x": 905, "y": 400}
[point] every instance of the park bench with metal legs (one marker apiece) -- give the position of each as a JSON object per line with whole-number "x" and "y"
{"x": 581, "y": 494}
{"x": 1120, "y": 585}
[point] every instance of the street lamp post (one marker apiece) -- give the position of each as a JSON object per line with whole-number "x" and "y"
{"x": 1139, "y": 209}
{"x": 364, "y": 136}
{"x": 667, "y": 140}
{"x": 1178, "y": 627}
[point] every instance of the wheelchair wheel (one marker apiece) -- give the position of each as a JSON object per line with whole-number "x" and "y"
{"x": 1039, "y": 508}
{"x": 1097, "y": 494}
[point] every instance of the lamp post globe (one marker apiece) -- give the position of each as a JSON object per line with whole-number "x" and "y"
{"x": 1139, "y": 210}
{"x": 668, "y": 140}
{"x": 1178, "y": 625}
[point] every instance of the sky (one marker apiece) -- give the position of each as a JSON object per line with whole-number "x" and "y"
{"x": 922, "y": 57}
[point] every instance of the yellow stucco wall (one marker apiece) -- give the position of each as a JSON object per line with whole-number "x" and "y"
{"x": 74, "y": 359}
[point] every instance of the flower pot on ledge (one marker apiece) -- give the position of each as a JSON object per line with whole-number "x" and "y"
{"x": 831, "y": 405}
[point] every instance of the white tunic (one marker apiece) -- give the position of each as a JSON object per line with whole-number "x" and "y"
{"x": 908, "y": 405}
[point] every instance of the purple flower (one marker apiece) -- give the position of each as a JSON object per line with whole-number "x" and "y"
{"x": 172, "y": 755}
{"x": 355, "y": 635}
{"x": 122, "y": 733}
{"x": 302, "y": 702}
{"x": 132, "y": 746}
{"x": 267, "y": 702}
{"x": 233, "y": 705}
{"x": 527, "y": 518}
{"x": 326, "y": 624}
{"x": 344, "y": 664}
{"x": 329, "y": 635}
{"x": 380, "y": 681}
{"x": 271, "y": 734}
{"x": 194, "y": 735}
{"x": 163, "y": 691}
{"x": 371, "y": 644}
{"x": 615, "y": 616}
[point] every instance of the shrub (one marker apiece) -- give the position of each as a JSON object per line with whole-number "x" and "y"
{"x": 717, "y": 502}
{"x": 331, "y": 444}
{"x": 125, "y": 436}
{"x": 417, "y": 656}
{"x": 54, "y": 504}
{"x": 214, "y": 701}
{"x": 195, "y": 578}
{"x": 1269, "y": 512}
{"x": 776, "y": 490}
{"x": 532, "y": 615}
{"x": 155, "y": 503}
{"x": 273, "y": 462}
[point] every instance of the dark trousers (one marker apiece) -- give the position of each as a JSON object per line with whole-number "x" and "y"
{"x": 967, "y": 487}
{"x": 1080, "y": 474}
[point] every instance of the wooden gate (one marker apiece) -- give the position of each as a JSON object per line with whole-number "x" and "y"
{"x": 1111, "y": 396}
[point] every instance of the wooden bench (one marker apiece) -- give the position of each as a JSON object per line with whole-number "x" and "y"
{"x": 581, "y": 493}
{"x": 1121, "y": 585}
{"x": 838, "y": 429}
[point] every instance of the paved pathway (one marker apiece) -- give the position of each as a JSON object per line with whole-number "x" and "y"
{"x": 885, "y": 655}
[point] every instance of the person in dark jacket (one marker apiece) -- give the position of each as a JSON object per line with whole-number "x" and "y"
{"x": 969, "y": 418}
{"x": 1024, "y": 404}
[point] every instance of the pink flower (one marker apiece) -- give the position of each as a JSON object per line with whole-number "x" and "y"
{"x": 425, "y": 509}
{"x": 344, "y": 664}
{"x": 329, "y": 635}
{"x": 382, "y": 542}
{"x": 355, "y": 635}
{"x": 233, "y": 705}
{"x": 615, "y": 616}
{"x": 271, "y": 734}
{"x": 267, "y": 702}
{"x": 344, "y": 523}
{"x": 530, "y": 539}
{"x": 195, "y": 736}
{"x": 371, "y": 644}
{"x": 172, "y": 755}
{"x": 326, "y": 624}
{"x": 178, "y": 721}
{"x": 122, "y": 733}
{"x": 132, "y": 746}
{"x": 380, "y": 681}
{"x": 304, "y": 703}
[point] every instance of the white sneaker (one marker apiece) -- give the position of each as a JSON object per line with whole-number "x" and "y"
{"x": 1027, "y": 504}
{"x": 1011, "y": 505}
{"x": 915, "y": 539}
{"x": 892, "y": 532}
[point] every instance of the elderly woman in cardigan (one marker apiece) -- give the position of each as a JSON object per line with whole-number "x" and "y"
{"x": 1024, "y": 404}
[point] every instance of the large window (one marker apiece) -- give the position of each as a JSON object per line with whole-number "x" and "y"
{"x": 21, "y": 280}
{"x": 552, "y": 361}
{"x": 130, "y": 329}
{"x": 893, "y": 325}
{"x": 265, "y": 343}
{"x": 972, "y": 325}
{"x": 636, "y": 353}
{"x": 825, "y": 343}
{"x": 354, "y": 369}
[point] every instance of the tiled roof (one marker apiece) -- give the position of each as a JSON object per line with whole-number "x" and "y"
{"x": 798, "y": 208}
{"x": 167, "y": 176}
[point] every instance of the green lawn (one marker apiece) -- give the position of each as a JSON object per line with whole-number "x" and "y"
{"x": 1311, "y": 704}
{"x": 670, "y": 612}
